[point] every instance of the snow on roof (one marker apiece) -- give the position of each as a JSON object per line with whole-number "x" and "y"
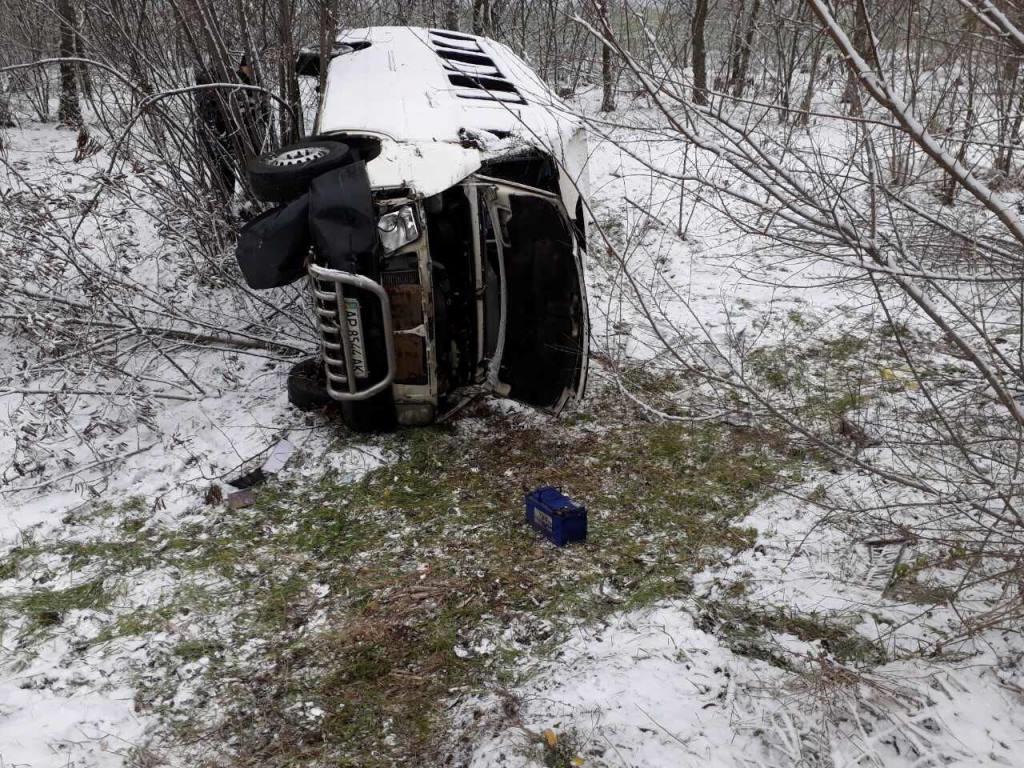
{"x": 427, "y": 90}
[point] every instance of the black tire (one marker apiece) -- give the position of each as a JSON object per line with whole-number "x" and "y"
{"x": 375, "y": 414}
{"x": 286, "y": 173}
{"x": 307, "y": 386}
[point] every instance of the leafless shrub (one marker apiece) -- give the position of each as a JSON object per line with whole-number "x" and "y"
{"x": 922, "y": 396}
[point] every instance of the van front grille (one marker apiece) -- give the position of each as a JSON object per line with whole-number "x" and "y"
{"x": 401, "y": 277}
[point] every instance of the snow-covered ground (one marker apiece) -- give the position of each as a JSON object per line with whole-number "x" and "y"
{"x": 659, "y": 687}
{"x": 670, "y": 684}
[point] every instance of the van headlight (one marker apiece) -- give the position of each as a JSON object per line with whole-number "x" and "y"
{"x": 397, "y": 228}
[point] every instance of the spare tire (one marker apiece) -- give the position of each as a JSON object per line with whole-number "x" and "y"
{"x": 286, "y": 173}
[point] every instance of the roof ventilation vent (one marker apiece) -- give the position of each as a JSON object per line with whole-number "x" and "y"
{"x": 472, "y": 73}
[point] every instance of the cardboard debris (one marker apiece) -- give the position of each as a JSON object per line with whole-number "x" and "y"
{"x": 278, "y": 457}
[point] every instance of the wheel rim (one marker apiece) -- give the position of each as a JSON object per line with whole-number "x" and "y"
{"x": 297, "y": 156}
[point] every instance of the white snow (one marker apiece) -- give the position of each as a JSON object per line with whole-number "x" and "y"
{"x": 56, "y": 713}
{"x": 652, "y": 687}
{"x": 647, "y": 689}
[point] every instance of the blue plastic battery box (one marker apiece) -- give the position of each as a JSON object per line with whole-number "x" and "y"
{"x": 556, "y": 515}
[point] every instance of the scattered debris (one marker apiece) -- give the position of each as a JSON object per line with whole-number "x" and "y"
{"x": 275, "y": 462}
{"x": 241, "y": 499}
{"x": 278, "y": 457}
{"x": 249, "y": 479}
{"x": 884, "y": 556}
{"x": 214, "y": 496}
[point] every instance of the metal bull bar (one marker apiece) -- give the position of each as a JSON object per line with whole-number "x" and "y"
{"x": 342, "y": 341}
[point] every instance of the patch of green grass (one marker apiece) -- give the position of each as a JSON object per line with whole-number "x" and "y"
{"x": 43, "y": 608}
{"x": 909, "y": 586}
{"x": 188, "y": 599}
{"x": 818, "y": 382}
{"x": 892, "y": 330}
{"x": 412, "y": 561}
{"x": 106, "y": 510}
{"x": 831, "y": 405}
{"x": 425, "y": 549}
{"x": 562, "y": 750}
{"x": 774, "y": 366}
{"x": 644, "y": 380}
{"x": 18, "y": 559}
{"x": 193, "y": 650}
{"x": 122, "y": 554}
{"x": 844, "y": 347}
{"x": 746, "y": 628}
{"x": 137, "y": 622}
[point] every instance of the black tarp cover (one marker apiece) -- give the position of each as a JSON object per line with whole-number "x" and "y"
{"x": 336, "y": 217}
{"x": 272, "y": 248}
{"x": 342, "y": 221}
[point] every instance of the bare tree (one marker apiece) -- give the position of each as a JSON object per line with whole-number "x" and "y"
{"x": 482, "y": 21}
{"x": 745, "y": 33}
{"x": 699, "y": 61}
{"x": 290, "y": 130}
{"x": 451, "y": 14}
{"x": 862, "y": 197}
{"x": 6, "y": 116}
{"x": 69, "y": 112}
{"x": 607, "y": 71}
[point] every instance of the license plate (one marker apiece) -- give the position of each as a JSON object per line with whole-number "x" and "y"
{"x": 354, "y": 329}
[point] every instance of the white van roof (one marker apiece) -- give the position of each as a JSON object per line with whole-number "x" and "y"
{"x": 440, "y": 101}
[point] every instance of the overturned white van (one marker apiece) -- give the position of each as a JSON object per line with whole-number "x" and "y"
{"x": 437, "y": 211}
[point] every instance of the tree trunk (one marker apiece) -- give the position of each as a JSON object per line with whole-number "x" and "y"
{"x": 950, "y": 185}
{"x": 83, "y": 70}
{"x": 69, "y": 112}
{"x": 735, "y": 45}
{"x": 1006, "y": 162}
{"x": 291, "y": 130}
{"x": 740, "y": 75}
{"x": 1009, "y": 128}
{"x": 700, "y": 74}
{"x": 451, "y": 15}
{"x": 607, "y": 74}
{"x": 1006, "y": 132}
{"x": 812, "y": 81}
{"x": 481, "y": 17}
{"x": 861, "y": 43}
{"x": 6, "y": 118}
{"x": 328, "y": 32}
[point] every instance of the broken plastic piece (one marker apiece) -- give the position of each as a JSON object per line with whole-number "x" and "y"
{"x": 279, "y": 455}
{"x": 275, "y": 462}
